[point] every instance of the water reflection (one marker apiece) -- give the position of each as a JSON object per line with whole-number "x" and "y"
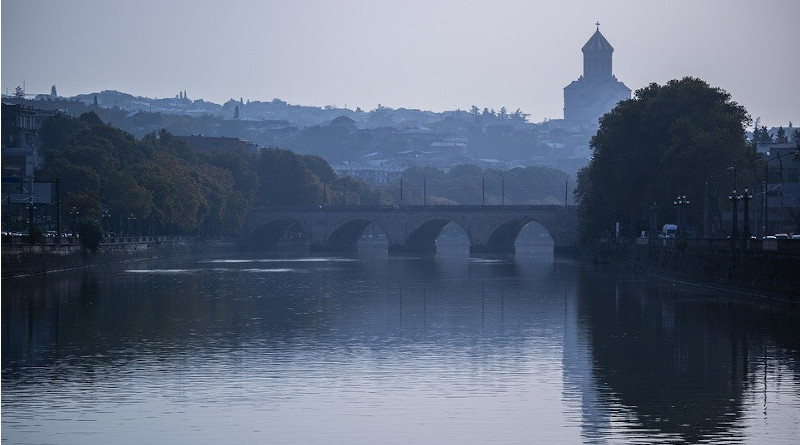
{"x": 680, "y": 364}
{"x": 375, "y": 348}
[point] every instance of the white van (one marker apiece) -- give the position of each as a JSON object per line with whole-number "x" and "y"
{"x": 668, "y": 231}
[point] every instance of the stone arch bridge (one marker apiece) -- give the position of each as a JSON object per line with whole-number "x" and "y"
{"x": 490, "y": 229}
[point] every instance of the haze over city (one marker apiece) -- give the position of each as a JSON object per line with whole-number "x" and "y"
{"x": 436, "y": 56}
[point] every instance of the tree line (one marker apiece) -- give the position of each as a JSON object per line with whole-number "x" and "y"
{"x": 106, "y": 175}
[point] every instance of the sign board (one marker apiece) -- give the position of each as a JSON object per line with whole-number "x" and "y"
{"x": 16, "y": 191}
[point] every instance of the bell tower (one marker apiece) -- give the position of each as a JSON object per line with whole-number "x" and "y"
{"x": 597, "y": 56}
{"x": 597, "y": 91}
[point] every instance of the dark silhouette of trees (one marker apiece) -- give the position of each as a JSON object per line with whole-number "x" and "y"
{"x": 663, "y": 143}
{"x": 157, "y": 180}
{"x": 781, "y": 137}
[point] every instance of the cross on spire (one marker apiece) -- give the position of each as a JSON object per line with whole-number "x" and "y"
{"x": 598, "y": 25}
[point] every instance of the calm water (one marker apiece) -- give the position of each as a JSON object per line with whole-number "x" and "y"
{"x": 376, "y": 349}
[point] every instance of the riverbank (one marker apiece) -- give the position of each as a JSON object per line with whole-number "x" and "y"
{"x": 19, "y": 260}
{"x": 774, "y": 272}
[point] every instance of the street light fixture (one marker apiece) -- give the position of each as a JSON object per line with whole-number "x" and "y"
{"x": 681, "y": 202}
{"x": 424, "y": 190}
{"x": 31, "y": 209}
{"x": 106, "y": 220}
{"x": 766, "y": 186}
{"x": 401, "y": 187}
{"x": 653, "y": 220}
{"x": 74, "y": 212}
{"x": 746, "y": 197}
{"x": 724, "y": 171}
{"x": 128, "y": 224}
{"x": 502, "y": 188}
{"x": 734, "y": 198}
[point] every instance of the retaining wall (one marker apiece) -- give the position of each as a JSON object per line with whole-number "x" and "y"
{"x": 770, "y": 271}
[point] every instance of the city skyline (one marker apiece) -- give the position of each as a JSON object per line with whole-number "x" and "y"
{"x": 443, "y": 56}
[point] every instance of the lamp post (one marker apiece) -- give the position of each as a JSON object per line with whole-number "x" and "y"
{"x": 681, "y": 202}
{"x": 502, "y": 188}
{"x": 483, "y": 189}
{"x": 746, "y": 197}
{"x": 128, "y": 224}
{"x": 734, "y": 198}
{"x": 31, "y": 209}
{"x": 424, "y": 190}
{"x": 74, "y": 212}
{"x": 653, "y": 221}
{"x": 401, "y": 188}
{"x": 106, "y": 219}
{"x": 706, "y": 197}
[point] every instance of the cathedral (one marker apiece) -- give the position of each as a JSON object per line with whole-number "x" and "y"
{"x": 597, "y": 91}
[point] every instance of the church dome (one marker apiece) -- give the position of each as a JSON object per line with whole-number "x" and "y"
{"x": 597, "y": 43}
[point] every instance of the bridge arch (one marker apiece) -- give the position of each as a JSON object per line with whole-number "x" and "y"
{"x": 346, "y": 234}
{"x": 423, "y": 234}
{"x": 503, "y": 237}
{"x": 272, "y": 231}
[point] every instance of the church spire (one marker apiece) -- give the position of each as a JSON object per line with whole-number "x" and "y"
{"x": 597, "y": 56}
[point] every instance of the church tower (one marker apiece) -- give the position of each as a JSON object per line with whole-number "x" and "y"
{"x": 597, "y": 91}
{"x": 597, "y": 57}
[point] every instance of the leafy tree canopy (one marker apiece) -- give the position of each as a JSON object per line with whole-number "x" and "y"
{"x": 157, "y": 180}
{"x": 666, "y": 141}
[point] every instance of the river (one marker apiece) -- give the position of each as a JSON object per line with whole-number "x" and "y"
{"x": 294, "y": 349}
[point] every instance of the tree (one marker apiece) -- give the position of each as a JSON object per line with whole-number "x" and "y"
{"x": 53, "y": 92}
{"x": 662, "y": 143}
{"x": 285, "y": 180}
{"x": 90, "y": 235}
{"x": 764, "y": 136}
{"x": 781, "y": 137}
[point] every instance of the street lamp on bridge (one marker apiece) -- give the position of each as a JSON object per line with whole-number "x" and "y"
{"x": 502, "y": 188}
{"x": 424, "y": 188}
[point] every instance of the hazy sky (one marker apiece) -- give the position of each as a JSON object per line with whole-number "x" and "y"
{"x": 433, "y": 55}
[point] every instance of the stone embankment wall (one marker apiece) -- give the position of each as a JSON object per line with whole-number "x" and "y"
{"x": 22, "y": 260}
{"x": 770, "y": 271}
